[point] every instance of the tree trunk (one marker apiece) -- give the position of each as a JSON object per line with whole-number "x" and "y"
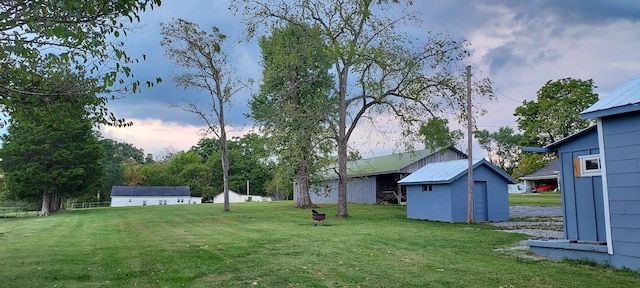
{"x": 225, "y": 152}
{"x": 302, "y": 178}
{"x": 342, "y": 146}
{"x": 50, "y": 204}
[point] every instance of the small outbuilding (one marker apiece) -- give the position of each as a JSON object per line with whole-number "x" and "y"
{"x": 439, "y": 192}
{"x": 600, "y": 180}
{"x": 151, "y": 195}
{"x": 545, "y": 179}
{"x": 238, "y": 198}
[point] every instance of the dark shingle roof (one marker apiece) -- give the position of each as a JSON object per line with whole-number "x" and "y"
{"x": 150, "y": 191}
{"x": 551, "y": 170}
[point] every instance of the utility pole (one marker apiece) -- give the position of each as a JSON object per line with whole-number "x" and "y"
{"x": 470, "y": 145}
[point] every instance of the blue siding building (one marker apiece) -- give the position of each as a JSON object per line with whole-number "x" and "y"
{"x": 438, "y": 192}
{"x": 601, "y": 181}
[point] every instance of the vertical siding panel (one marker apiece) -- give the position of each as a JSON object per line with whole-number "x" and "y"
{"x": 622, "y": 148}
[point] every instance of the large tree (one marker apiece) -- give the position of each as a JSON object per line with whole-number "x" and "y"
{"x": 51, "y": 152}
{"x": 379, "y": 70}
{"x": 556, "y": 113}
{"x": 83, "y": 34}
{"x": 205, "y": 57}
{"x": 297, "y": 84}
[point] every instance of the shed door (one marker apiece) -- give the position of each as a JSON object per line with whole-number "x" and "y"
{"x": 480, "y": 201}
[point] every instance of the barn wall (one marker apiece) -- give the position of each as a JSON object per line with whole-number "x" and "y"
{"x": 433, "y": 205}
{"x": 622, "y": 154}
{"x": 582, "y": 200}
{"x": 359, "y": 190}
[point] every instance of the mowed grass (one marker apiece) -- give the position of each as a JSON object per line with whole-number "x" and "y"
{"x": 274, "y": 245}
{"x": 536, "y": 199}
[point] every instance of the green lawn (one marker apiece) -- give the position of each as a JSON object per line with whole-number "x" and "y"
{"x": 273, "y": 245}
{"x": 536, "y": 199}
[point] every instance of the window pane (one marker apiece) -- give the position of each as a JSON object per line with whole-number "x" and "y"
{"x": 592, "y": 164}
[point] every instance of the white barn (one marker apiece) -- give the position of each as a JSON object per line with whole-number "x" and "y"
{"x": 122, "y": 196}
{"x": 237, "y": 198}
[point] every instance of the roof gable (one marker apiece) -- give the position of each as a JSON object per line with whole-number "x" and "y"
{"x": 448, "y": 172}
{"x": 150, "y": 191}
{"x": 389, "y": 163}
{"x": 555, "y": 145}
{"x": 623, "y": 99}
{"x": 551, "y": 170}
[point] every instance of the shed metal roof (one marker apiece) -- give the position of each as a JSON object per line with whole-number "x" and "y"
{"x": 150, "y": 191}
{"x": 448, "y": 171}
{"x": 623, "y": 99}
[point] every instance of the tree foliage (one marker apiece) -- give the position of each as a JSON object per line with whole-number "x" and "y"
{"x": 437, "y": 134}
{"x": 296, "y": 83}
{"x": 249, "y": 161}
{"x": 379, "y": 70}
{"x": 556, "y": 113}
{"x": 205, "y": 60}
{"x": 81, "y": 34}
{"x": 51, "y": 152}
{"x": 121, "y": 164}
{"x": 503, "y": 147}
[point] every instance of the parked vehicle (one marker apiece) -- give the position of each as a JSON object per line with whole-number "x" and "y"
{"x": 547, "y": 187}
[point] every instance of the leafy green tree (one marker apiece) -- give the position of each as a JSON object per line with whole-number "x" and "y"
{"x": 379, "y": 70}
{"x": 503, "y": 147}
{"x": 205, "y": 59}
{"x": 531, "y": 162}
{"x": 249, "y": 161}
{"x": 117, "y": 155}
{"x": 50, "y": 152}
{"x": 437, "y": 134}
{"x": 556, "y": 113}
{"x": 82, "y": 34}
{"x": 157, "y": 174}
{"x": 296, "y": 83}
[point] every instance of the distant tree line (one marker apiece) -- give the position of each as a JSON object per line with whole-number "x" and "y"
{"x": 118, "y": 163}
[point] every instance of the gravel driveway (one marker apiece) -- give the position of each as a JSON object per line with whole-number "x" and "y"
{"x": 540, "y": 222}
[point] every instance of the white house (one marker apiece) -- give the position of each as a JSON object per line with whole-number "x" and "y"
{"x": 237, "y": 198}
{"x": 122, "y": 196}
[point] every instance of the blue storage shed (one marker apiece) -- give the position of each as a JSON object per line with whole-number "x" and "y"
{"x": 439, "y": 192}
{"x": 600, "y": 172}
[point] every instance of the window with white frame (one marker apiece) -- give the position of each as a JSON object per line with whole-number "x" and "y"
{"x": 427, "y": 188}
{"x": 590, "y": 165}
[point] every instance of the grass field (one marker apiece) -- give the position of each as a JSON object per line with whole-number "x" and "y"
{"x": 273, "y": 245}
{"x": 536, "y": 199}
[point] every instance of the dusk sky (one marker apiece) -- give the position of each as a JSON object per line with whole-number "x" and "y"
{"x": 520, "y": 45}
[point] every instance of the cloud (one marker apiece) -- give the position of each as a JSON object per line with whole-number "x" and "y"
{"x": 520, "y": 45}
{"x": 154, "y": 135}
